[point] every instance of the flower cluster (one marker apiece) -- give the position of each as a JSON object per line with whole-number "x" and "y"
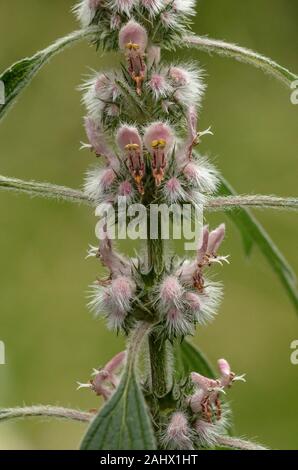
{"x": 166, "y": 20}
{"x": 185, "y": 296}
{"x": 202, "y": 420}
{"x": 182, "y": 298}
{"x": 142, "y": 123}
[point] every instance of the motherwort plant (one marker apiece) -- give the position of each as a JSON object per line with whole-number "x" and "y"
{"x": 142, "y": 125}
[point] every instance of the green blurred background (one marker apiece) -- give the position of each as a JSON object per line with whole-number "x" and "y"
{"x": 51, "y": 339}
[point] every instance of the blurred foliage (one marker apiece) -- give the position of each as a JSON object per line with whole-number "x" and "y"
{"x": 51, "y": 339}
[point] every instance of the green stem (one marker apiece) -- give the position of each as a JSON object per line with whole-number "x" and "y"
{"x": 157, "y": 344}
{"x": 159, "y": 365}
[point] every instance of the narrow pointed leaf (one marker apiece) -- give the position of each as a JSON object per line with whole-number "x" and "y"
{"x": 20, "y": 74}
{"x": 254, "y": 234}
{"x": 124, "y": 422}
{"x": 242, "y": 54}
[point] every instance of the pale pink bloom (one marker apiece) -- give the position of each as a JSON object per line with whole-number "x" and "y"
{"x": 159, "y": 140}
{"x": 193, "y": 301}
{"x": 153, "y": 56}
{"x": 107, "y": 179}
{"x": 158, "y": 86}
{"x": 121, "y": 292}
{"x": 133, "y": 40}
{"x": 153, "y": 6}
{"x": 174, "y": 192}
{"x": 201, "y": 174}
{"x": 130, "y": 142}
{"x": 192, "y": 121}
{"x": 206, "y": 398}
{"x": 178, "y": 323}
{"x": 97, "y": 140}
{"x": 100, "y": 90}
{"x": 118, "y": 265}
{"x": 178, "y": 433}
{"x": 170, "y": 292}
{"x": 189, "y": 86}
{"x": 122, "y": 6}
{"x": 97, "y": 182}
{"x": 105, "y": 380}
{"x": 227, "y": 376}
{"x": 133, "y": 34}
{"x": 128, "y": 135}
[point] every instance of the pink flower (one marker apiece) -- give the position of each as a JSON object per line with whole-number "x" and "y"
{"x": 206, "y": 398}
{"x": 97, "y": 140}
{"x": 178, "y": 323}
{"x": 207, "y": 253}
{"x": 158, "y": 86}
{"x": 106, "y": 380}
{"x": 130, "y": 142}
{"x": 159, "y": 140}
{"x": 188, "y": 83}
{"x": 171, "y": 292}
{"x": 174, "y": 191}
{"x": 200, "y": 173}
{"x": 133, "y": 40}
{"x": 178, "y": 434}
{"x": 117, "y": 264}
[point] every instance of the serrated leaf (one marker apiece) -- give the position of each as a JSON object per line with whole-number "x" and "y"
{"x": 254, "y": 234}
{"x": 124, "y": 422}
{"x": 20, "y": 74}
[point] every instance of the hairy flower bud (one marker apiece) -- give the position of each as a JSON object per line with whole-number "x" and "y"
{"x": 178, "y": 433}
{"x": 189, "y": 86}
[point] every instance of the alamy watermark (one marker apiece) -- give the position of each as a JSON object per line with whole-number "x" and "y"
{"x": 122, "y": 221}
{"x": 2, "y": 92}
{"x": 2, "y": 353}
{"x": 294, "y": 95}
{"x": 294, "y": 355}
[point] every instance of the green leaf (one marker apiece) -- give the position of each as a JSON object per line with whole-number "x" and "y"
{"x": 20, "y": 74}
{"x": 190, "y": 359}
{"x": 242, "y": 54}
{"x": 124, "y": 422}
{"x": 253, "y": 233}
